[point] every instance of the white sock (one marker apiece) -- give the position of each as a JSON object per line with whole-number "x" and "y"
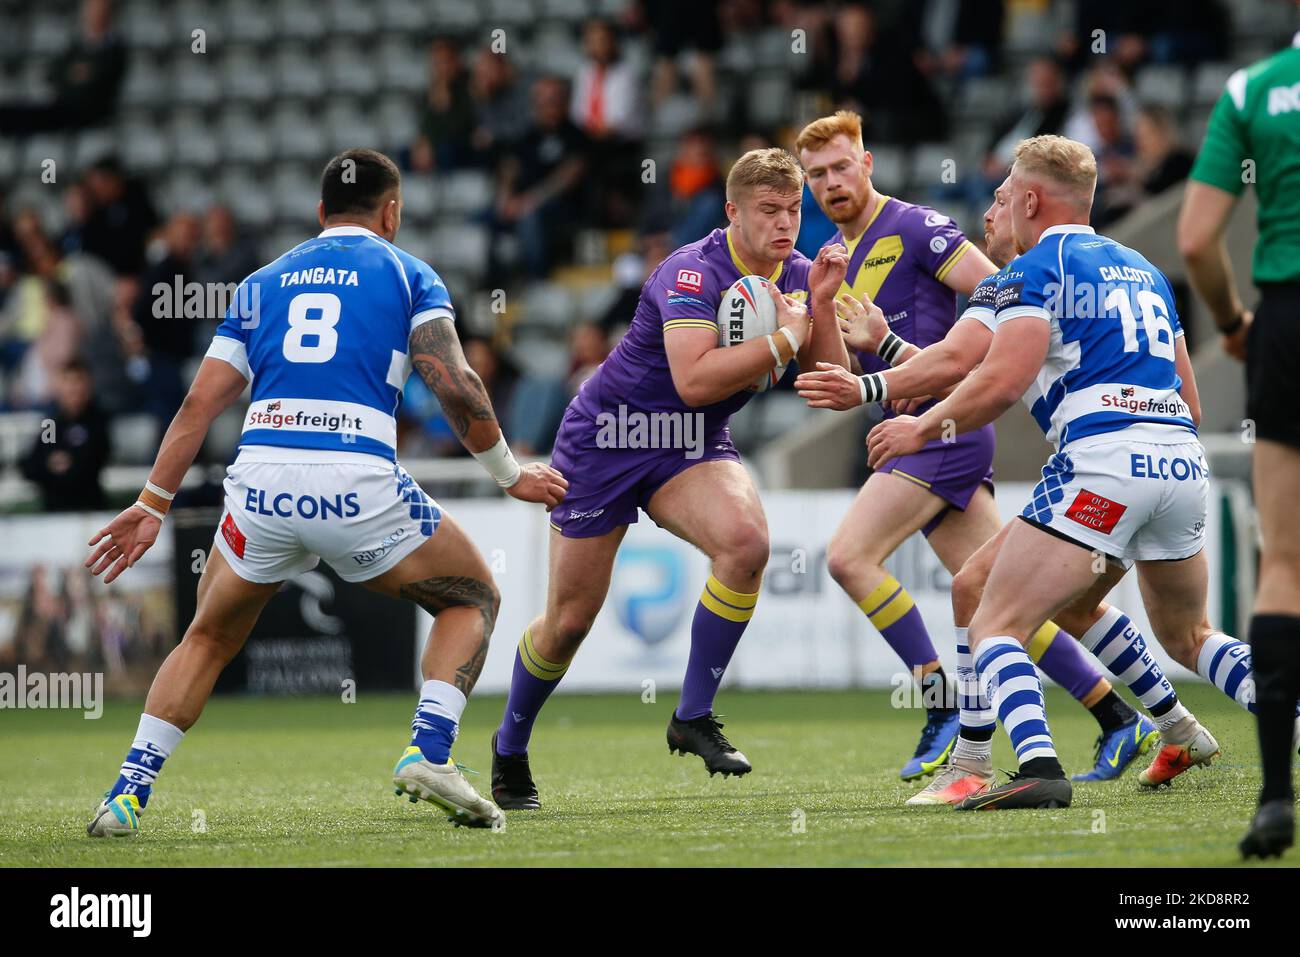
{"x": 156, "y": 735}
{"x": 440, "y": 698}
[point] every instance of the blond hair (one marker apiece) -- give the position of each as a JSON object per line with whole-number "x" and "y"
{"x": 772, "y": 167}
{"x": 1065, "y": 162}
{"x": 821, "y": 131}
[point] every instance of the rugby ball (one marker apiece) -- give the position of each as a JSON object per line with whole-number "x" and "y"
{"x": 747, "y": 312}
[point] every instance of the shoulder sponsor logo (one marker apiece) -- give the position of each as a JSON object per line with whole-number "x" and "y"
{"x": 690, "y": 280}
{"x": 985, "y": 294}
{"x": 1008, "y": 294}
{"x": 677, "y": 299}
{"x": 936, "y": 219}
{"x": 938, "y": 244}
{"x": 894, "y": 317}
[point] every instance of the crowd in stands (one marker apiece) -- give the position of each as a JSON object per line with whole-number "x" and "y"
{"x": 566, "y": 151}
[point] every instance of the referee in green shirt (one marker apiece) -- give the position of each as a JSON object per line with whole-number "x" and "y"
{"x": 1254, "y": 138}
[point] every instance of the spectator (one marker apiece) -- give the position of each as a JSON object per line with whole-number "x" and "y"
{"x": 961, "y": 38}
{"x": 1115, "y": 170}
{"x": 500, "y": 105}
{"x": 693, "y": 203}
{"x": 162, "y": 331}
{"x": 86, "y": 80}
{"x": 537, "y": 182}
{"x": 684, "y": 26}
{"x": 1044, "y": 113}
{"x": 606, "y": 107}
{"x": 446, "y": 112}
{"x": 67, "y": 468}
{"x": 590, "y": 345}
{"x": 605, "y": 98}
{"x": 225, "y": 255}
{"x": 631, "y": 270}
{"x": 879, "y": 77}
{"x": 1114, "y": 153}
{"x": 121, "y": 218}
{"x": 1105, "y": 79}
{"x": 225, "y": 258}
{"x": 1162, "y": 159}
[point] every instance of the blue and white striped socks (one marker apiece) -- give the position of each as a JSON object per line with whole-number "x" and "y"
{"x": 1119, "y": 646}
{"x": 1010, "y": 683}
{"x": 975, "y": 742}
{"x": 1226, "y": 662}
{"x": 154, "y": 742}
{"x": 437, "y": 720}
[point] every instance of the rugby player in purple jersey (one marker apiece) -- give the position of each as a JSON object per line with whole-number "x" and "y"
{"x": 669, "y": 371}
{"x": 911, "y": 261}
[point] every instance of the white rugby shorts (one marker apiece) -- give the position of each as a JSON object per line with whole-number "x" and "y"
{"x": 1131, "y": 500}
{"x": 360, "y": 513}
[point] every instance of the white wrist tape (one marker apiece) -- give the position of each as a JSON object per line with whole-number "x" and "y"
{"x": 790, "y": 338}
{"x": 500, "y": 463}
{"x": 159, "y": 491}
{"x": 874, "y": 387}
{"x": 150, "y": 509}
{"x": 891, "y": 347}
{"x": 776, "y": 353}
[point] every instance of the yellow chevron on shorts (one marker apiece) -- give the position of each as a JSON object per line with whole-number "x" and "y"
{"x": 884, "y": 615}
{"x": 1042, "y": 640}
{"x": 727, "y": 603}
{"x": 536, "y": 665}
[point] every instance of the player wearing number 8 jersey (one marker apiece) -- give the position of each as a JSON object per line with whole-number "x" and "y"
{"x": 327, "y": 334}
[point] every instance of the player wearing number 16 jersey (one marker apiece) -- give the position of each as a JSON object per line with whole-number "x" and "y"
{"x": 327, "y": 334}
{"x": 1087, "y": 332}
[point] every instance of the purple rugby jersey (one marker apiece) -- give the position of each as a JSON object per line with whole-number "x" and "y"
{"x": 684, "y": 292}
{"x": 900, "y": 261}
{"x": 608, "y": 485}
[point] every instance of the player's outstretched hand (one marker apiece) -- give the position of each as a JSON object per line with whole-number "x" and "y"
{"x": 828, "y": 270}
{"x": 1235, "y": 344}
{"x": 790, "y": 313}
{"x": 540, "y": 483}
{"x": 122, "y": 542}
{"x": 893, "y": 438}
{"x": 862, "y": 323}
{"x": 829, "y": 387}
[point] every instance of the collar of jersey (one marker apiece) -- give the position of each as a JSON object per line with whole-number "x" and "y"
{"x": 1064, "y": 229}
{"x": 852, "y": 244}
{"x": 745, "y": 270}
{"x": 347, "y": 231}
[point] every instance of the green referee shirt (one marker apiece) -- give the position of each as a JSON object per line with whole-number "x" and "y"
{"x": 1257, "y": 119}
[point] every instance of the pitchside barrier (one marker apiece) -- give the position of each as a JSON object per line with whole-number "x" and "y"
{"x": 806, "y": 633}
{"x": 319, "y": 633}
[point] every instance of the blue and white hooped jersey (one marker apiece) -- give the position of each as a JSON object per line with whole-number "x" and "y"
{"x": 322, "y": 334}
{"x": 1110, "y": 366}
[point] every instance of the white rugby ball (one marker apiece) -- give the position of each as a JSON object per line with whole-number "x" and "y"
{"x": 747, "y": 312}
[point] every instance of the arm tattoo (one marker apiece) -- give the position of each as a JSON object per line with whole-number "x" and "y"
{"x": 438, "y": 594}
{"x": 436, "y": 355}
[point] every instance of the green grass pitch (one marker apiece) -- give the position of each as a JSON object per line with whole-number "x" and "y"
{"x": 305, "y": 782}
